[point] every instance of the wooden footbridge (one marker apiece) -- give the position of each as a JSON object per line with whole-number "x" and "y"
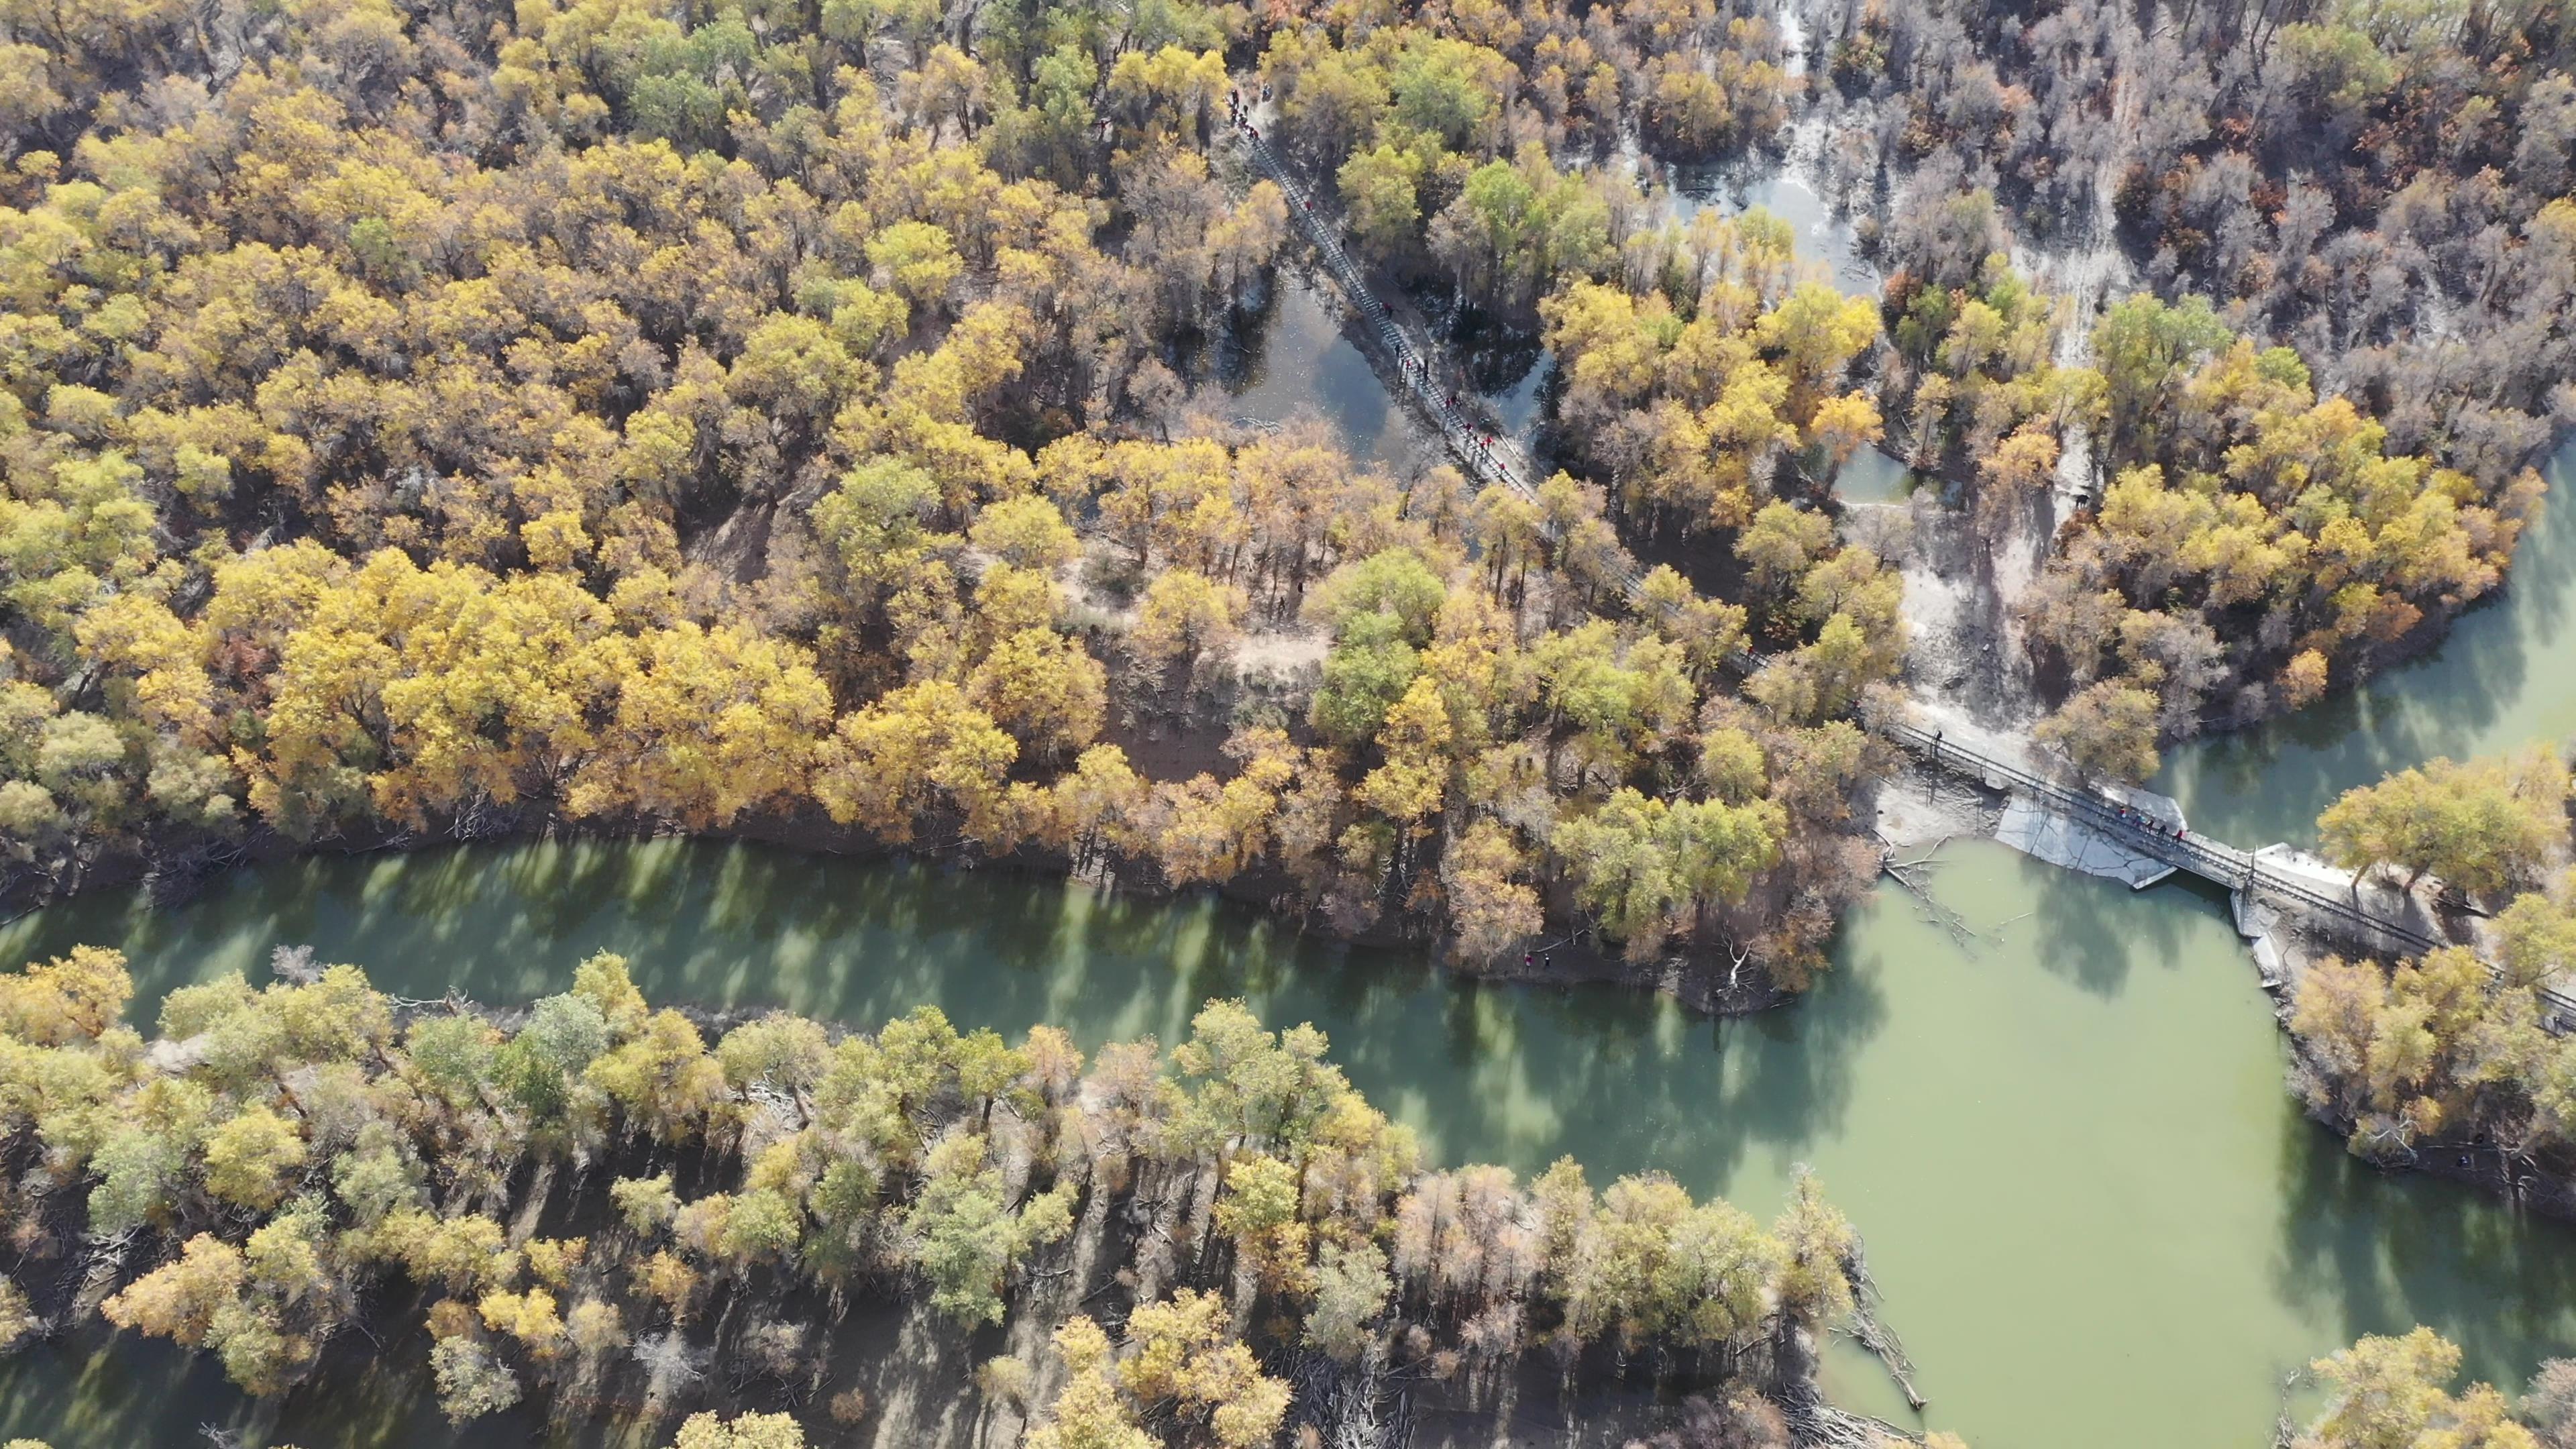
{"x": 1413, "y": 370}
{"x": 2243, "y": 873}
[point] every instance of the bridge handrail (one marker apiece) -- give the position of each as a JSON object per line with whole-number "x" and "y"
{"x": 2246, "y": 870}
{"x": 2224, "y": 864}
{"x": 1481, "y": 462}
{"x": 2232, "y": 868}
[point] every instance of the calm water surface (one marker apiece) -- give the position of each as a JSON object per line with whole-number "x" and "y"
{"x": 2095, "y": 1216}
{"x": 1819, "y": 234}
{"x": 1298, "y": 364}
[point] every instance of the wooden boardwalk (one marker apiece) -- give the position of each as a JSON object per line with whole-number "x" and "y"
{"x": 1411, "y": 368}
{"x": 2243, "y": 873}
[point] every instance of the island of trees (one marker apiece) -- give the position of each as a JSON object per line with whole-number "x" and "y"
{"x": 2449, "y": 1053}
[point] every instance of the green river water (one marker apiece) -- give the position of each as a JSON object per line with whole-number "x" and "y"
{"x": 2095, "y": 1216}
{"x": 2505, "y": 676}
{"x": 2094, "y": 1212}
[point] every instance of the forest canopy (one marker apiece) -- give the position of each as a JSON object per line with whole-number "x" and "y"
{"x": 2321, "y": 258}
{"x": 435, "y": 422}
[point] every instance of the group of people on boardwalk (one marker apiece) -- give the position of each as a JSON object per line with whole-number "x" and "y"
{"x": 2143, "y": 821}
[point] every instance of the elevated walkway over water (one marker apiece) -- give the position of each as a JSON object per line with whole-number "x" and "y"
{"x": 2262, "y": 883}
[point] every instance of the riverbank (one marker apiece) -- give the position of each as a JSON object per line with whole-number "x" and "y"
{"x": 2543, "y": 1187}
{"x": 1922, "y": 809}
{"x": 102, "y": 1390}
{"x": 1568, "y": 953}
{"x": 2065, "y": 1137}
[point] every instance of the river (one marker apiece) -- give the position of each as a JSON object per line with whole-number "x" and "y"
{"x": 2094, "y": 1211}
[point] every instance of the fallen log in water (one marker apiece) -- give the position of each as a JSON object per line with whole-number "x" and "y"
{"x": 1910, "y": 875}
{"x": 1815, "y": 1424}
{"x": 1868, "y": 1331}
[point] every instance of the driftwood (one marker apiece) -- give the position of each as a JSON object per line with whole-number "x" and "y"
{"x": 1906, "y": 872}
{"x": 1815, "y": 1424}
{"x": 2285, "y": 1431}
{"x": 1866, "y": 1329}
{"x": 102, "y": 1264}
{"x": 1347, "y": 1405}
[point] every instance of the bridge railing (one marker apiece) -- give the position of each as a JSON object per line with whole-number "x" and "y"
{"x": 2224, "y": 864}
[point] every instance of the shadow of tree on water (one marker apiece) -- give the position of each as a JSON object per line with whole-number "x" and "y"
{"x": 2363, "y": 1251}
{"x": 2095, "y": 933}
{"x": 1623, "y": 1080}
{"x": 2487, "y": 687}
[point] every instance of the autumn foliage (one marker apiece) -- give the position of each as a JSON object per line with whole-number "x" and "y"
{"x": 284, "y": 1162}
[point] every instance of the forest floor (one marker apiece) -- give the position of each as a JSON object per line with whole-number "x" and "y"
{"x": 1966, "y": 664}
